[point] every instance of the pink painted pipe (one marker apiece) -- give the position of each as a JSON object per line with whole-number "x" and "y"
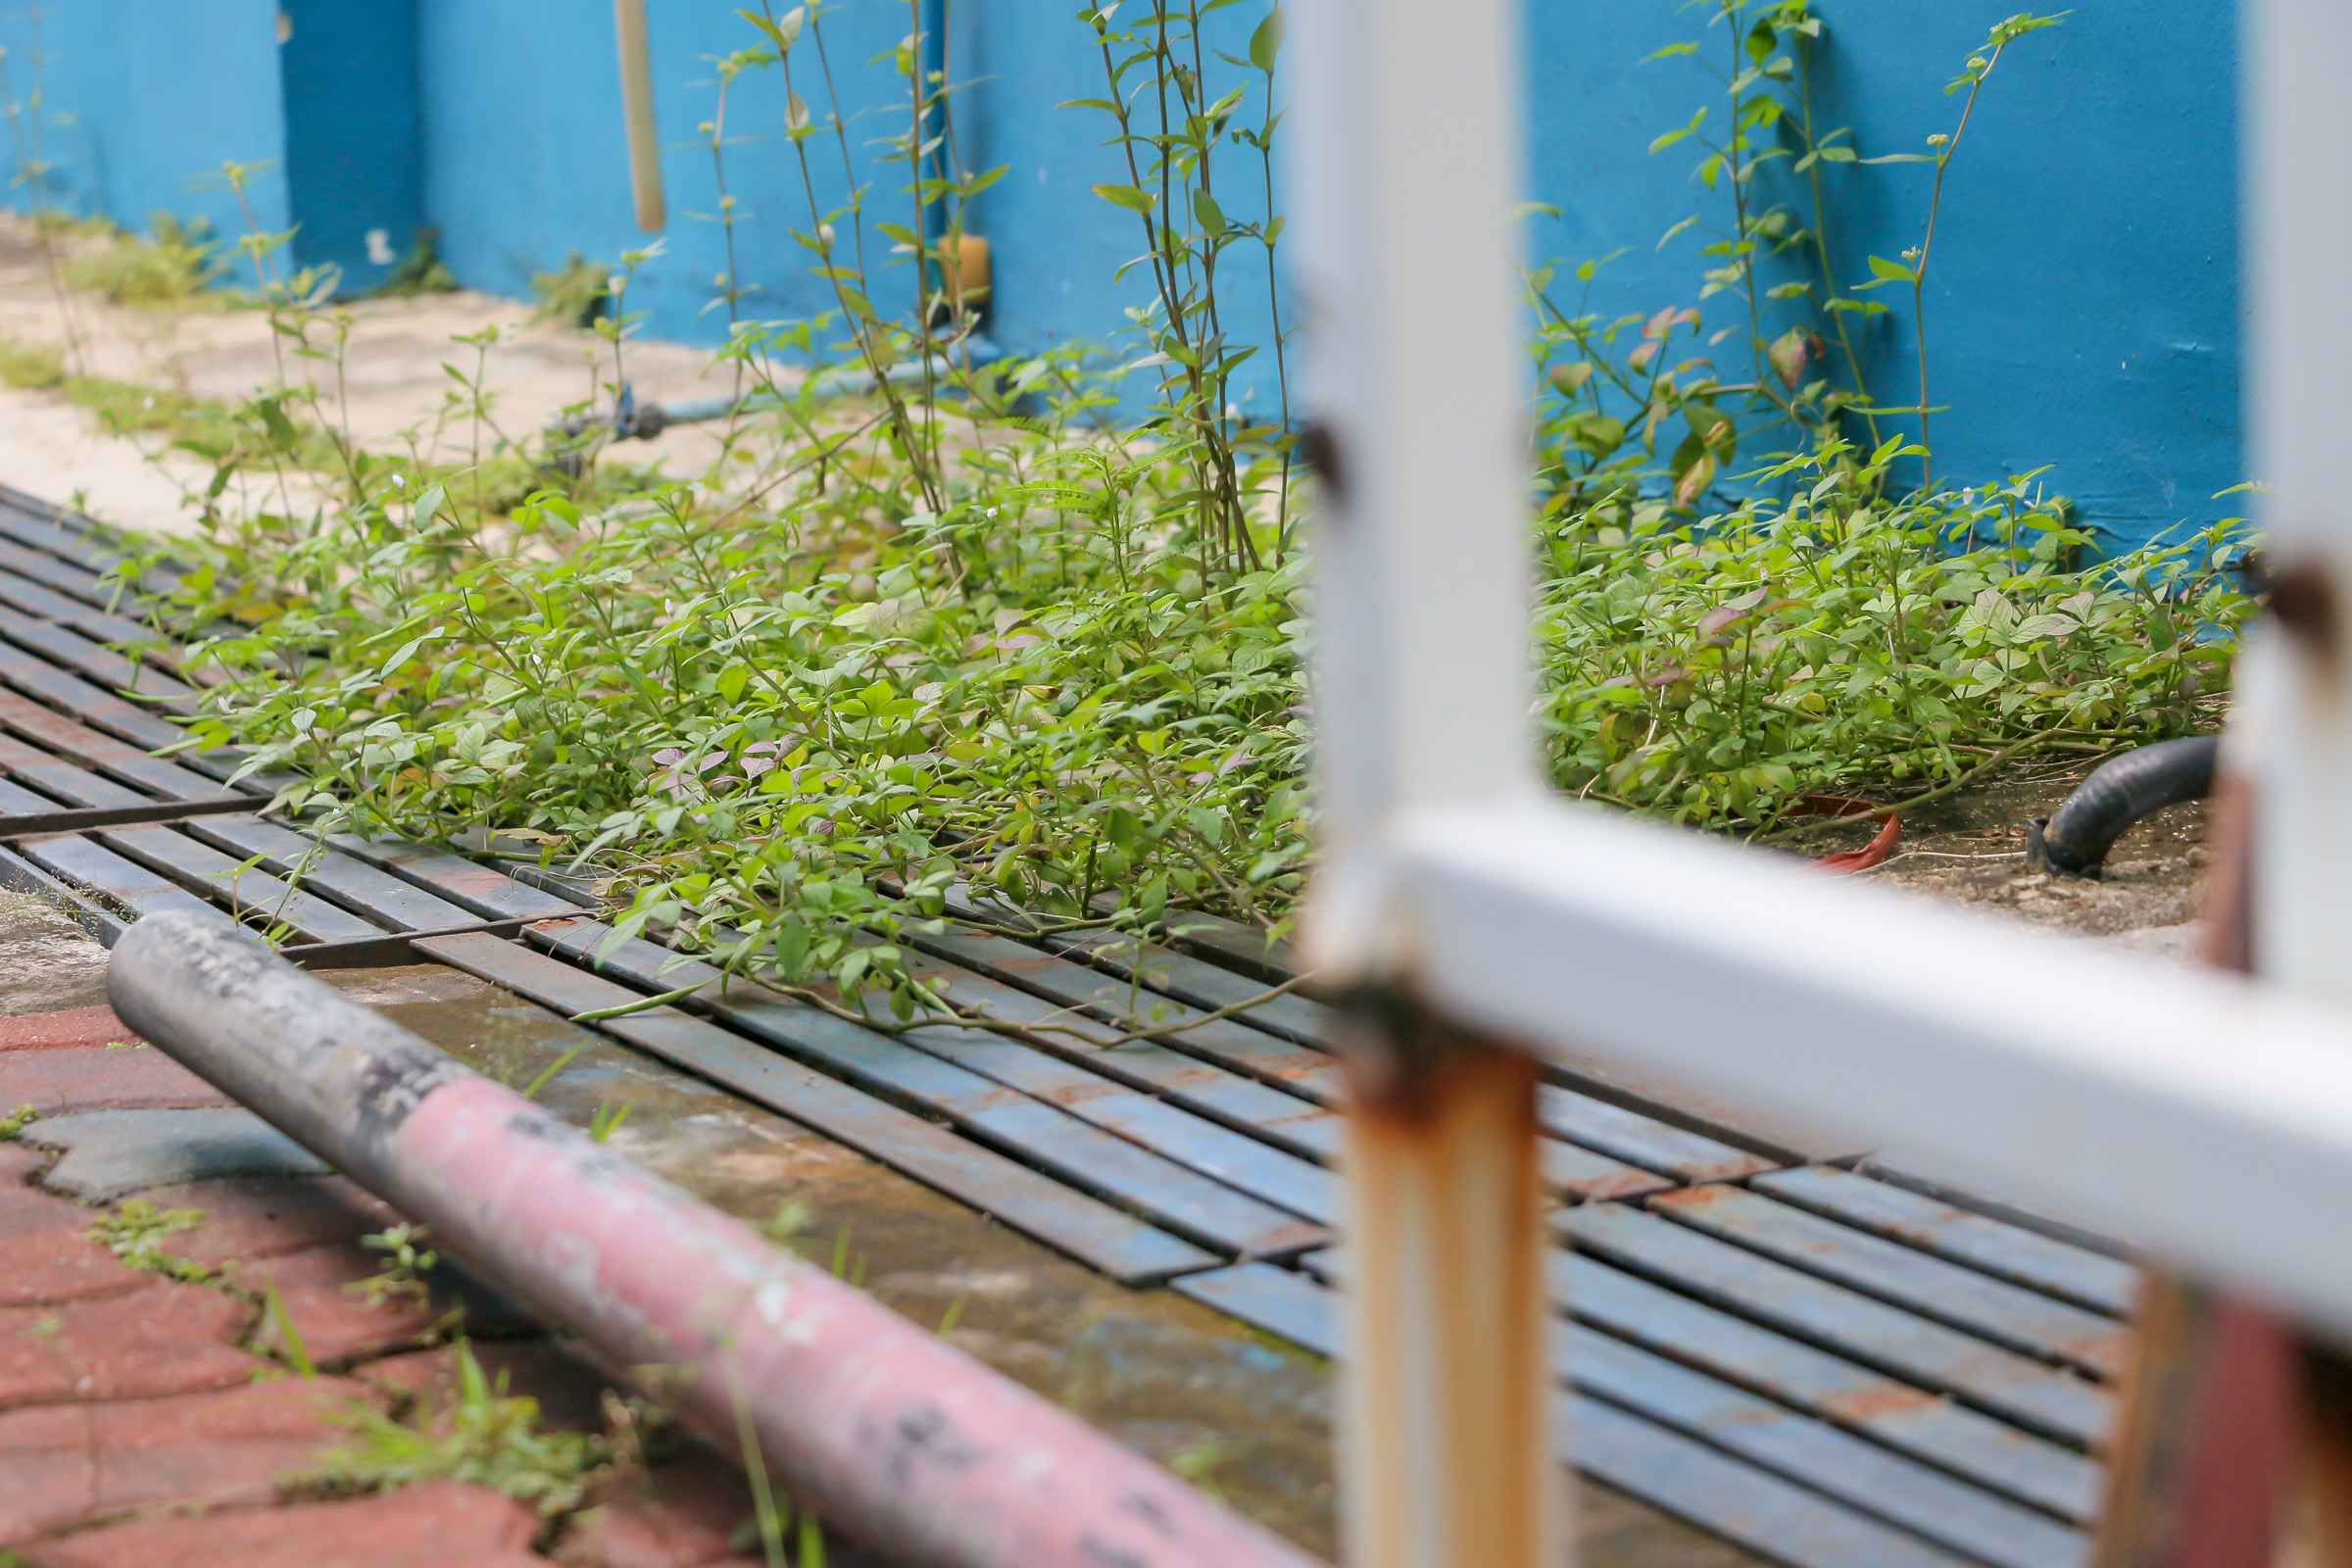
{"x": 903, "y": 1438}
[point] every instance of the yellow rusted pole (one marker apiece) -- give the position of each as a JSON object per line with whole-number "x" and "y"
{"x": 637, "y": 113}
{"x": 1446, "y": 1445}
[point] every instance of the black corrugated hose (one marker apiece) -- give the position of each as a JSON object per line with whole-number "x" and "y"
{"x": 2074, "y": 840}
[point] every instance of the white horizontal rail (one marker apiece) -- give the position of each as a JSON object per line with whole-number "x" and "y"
{"x": 2198, "y": 1114}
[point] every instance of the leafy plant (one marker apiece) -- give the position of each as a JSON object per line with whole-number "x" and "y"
{"x": 1720, "y": 671}
{"x": 407, "y": 1262}
{"x": 17, "y": 1120}
{"x": 172, "y": 268}
{"x": 574, "y": 294}
{"x": 487, "y": 1437}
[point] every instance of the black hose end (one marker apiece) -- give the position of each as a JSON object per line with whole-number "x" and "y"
{"x": 2043, "y": 856}
{"x": 2074, "y": 840}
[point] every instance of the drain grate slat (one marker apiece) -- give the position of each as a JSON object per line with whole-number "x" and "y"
{"x": 1114, "y": 1243}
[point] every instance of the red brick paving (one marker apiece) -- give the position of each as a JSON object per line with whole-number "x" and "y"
{"x": 163, "y": 1338}
{"x": 439, "y": 1525}
{"x": 247, "y": 1217}
{"x": 45, "y": 1250}
{"x": 337, "y": 1324}
{"x": 122, "y": 1394}
{"x": 57, "y": 1031}
{"x": 67, "y": 1464}
{"x": 681, "y": 1519}
{"x": 94, "y": 1078}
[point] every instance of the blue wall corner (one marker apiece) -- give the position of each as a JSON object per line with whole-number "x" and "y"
{"x": 355, "y": 135}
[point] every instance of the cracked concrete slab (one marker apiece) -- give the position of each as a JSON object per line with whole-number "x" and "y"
{"x": 111, "y": 1153}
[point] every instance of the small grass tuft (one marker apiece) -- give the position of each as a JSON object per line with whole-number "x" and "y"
{"x": 136, "y": 1232}
{"x": 487, "y": 1437}
{"x": 17, "y": 1120}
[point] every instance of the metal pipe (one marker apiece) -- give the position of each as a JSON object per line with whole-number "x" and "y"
{"x": 637, "y": 113}
{"x": 889, "y": 1429}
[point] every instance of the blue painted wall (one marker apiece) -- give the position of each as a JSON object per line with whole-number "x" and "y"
{"x": 2083, "y": 310}
{"x": 525, "y": 160}
{"x": 355, "y": 135}
{"x": 144, "y": 102}
{"x": 2083, "y": 306}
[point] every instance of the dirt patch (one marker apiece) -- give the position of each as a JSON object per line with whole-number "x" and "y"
{"x": 1971, "y": 848}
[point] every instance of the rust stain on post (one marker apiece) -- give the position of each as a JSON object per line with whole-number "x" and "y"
{"x": 1448, "y": 1439}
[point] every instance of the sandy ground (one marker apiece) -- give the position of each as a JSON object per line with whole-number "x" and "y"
{"x": 395, "y": 383}
{"x": 1970, "y": 848}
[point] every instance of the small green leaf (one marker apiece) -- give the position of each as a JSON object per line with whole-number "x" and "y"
{"x": 1127, "y": 196}
{"x": 1266, "y": 44}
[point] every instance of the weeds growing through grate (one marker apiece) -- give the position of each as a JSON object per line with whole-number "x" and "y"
{"x": 934, "y": 620}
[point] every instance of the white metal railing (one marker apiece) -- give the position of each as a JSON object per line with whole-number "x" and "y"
{"x": 2207, "y": 1117}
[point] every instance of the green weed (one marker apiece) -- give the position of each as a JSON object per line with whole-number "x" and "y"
{"x": 31, "y": 367}
{"x": 136, "y": 1232}
{"x": 487, "y": 1437}
{"x": 175, "y": 266}
{"x": 17, "y": 1120}
{"x": 407, "y": 1262}
{"x": 574, "y": 294}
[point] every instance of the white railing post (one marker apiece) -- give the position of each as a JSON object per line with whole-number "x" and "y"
{"x": 1408, "y": 133}
{"x": 2298, "y": 680}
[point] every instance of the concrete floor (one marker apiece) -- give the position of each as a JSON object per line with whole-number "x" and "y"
{"x": 394, "y": 388}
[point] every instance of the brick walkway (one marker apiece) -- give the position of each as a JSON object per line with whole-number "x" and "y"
{"x": 150, "y": 1423}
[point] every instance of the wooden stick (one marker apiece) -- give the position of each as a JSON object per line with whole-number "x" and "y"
{"x": 637, "y": 113}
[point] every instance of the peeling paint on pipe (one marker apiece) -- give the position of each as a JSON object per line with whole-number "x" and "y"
{"x": 896, "y": 1434}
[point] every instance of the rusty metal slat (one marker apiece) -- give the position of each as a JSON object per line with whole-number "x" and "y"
{"x": 1853, "y": 1470}
{"x": 1910, "y": 1420}
{"x": 354, "y": 883}
{"x": 1973, "y": 1370}
{"x": 203, "y": 870}
{"x": 143, "y": 726}
{"x": 80, "y": 582}
{"x": 17, "y": 825}
{"x": 132, "y": 886}
{"x": 1950, "y": 1294}
{"x": 482, "y": 890}
{"x": 31, "y": 522}
{"x": 87, "y": 746}
{"x": 1734, "y": 1499}
{"x": 1105, "y": 1238}
{"x": 94, "y": 706}
{"x": 1310, "y": 1073}
{"x": 1640, "y": 1139}
{"x": 2007, "y": 1251}
{"x": 1641, "y": 1440}
{"x": 103, "y": 664}
{"x": 1217, "y": 1151}
{"x": 1244, "y": 949}
{"x": 1035, "y": 1130}
{"x": 1232, "y": 1098}
{"x": 1901, "y": 1169}
{"x": 1613, "y": 1130}
{"x": 32, "y": 599}
{"x": 1188, "y": 979}
{"x": 53, "y": 775}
